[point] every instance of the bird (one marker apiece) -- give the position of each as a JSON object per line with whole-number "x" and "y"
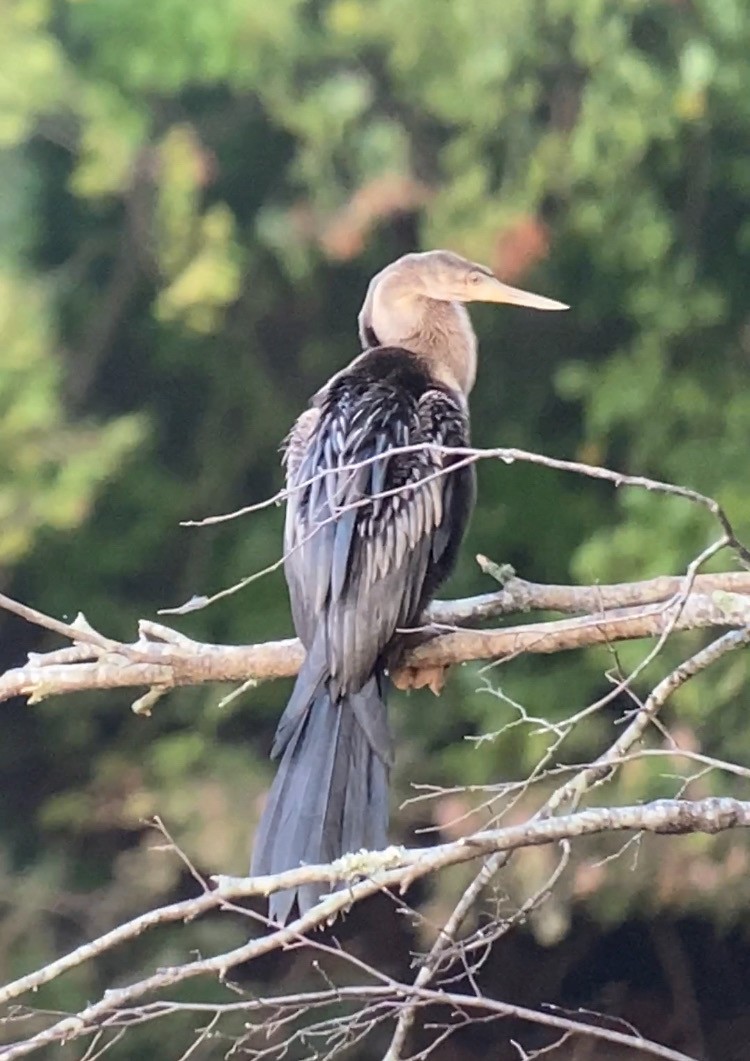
{"x": 377, "y": 506}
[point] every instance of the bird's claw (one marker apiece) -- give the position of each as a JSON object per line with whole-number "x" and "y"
{"x": 420, "y": 678}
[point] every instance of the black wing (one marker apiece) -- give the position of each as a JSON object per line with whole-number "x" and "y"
{"x": 371, "y": 532}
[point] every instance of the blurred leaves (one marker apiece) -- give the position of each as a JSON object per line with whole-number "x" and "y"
{"x": 197, "y": 253}
{"x": 34, "y": 76}
{"x": 194, "y": 198}
{"x": 50, "y": 468}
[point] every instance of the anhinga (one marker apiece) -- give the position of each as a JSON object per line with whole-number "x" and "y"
{"x": 374, "y": 519}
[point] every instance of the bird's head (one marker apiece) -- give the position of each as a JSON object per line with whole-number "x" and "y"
{"x": 417, "y": 302}
{"x": 447, "y": 277}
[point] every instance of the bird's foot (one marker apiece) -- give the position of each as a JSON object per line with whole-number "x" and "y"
{"x": 420, "y": 678}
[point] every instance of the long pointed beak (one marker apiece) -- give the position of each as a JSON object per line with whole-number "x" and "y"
{"x": 494, "y": 290}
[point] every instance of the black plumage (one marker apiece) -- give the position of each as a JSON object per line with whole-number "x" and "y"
{"x": 377, "y": 507}
{"x": 369, "y": 537}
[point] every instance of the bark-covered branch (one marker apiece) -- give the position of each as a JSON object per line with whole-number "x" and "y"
{"x": 366, "y": 873}
{"x": 163, "y": 659}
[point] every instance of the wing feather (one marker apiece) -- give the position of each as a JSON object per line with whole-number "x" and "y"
{"x": 366, "y": 526}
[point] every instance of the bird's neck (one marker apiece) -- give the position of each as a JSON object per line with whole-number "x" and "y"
{"x": 439, "y": 332}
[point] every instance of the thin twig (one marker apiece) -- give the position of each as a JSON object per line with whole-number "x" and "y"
{"x": 572, "y": 790}
{"x": 367, "y": 873}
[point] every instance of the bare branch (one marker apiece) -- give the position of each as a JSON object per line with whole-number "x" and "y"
{"x": 602, "y": 767}
{"x": 715, "y": 601}
{"x": 388, "y": 997}
{"x": 470, "y": 455}
{"x": 518, "y": 595}
{"x": 365, "y": 874}
{"x": 572, "y": 790}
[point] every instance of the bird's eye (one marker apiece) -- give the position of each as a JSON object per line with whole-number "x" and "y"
{"x": 475, "y": 277}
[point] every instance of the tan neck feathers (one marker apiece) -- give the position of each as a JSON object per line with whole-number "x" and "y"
{"x": 438, "y": 331}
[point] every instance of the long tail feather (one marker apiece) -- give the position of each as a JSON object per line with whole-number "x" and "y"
{"x": 330, "y": 793}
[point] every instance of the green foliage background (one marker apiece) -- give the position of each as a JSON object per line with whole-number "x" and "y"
{"x": 192, "y": 199}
